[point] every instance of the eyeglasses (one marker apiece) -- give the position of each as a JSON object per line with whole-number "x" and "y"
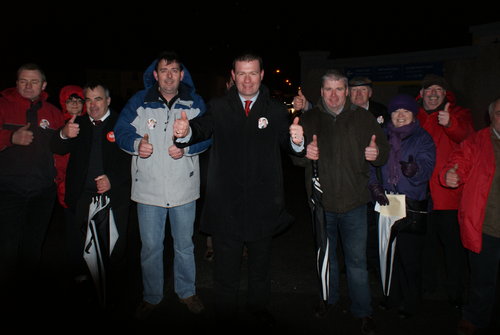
{"x": 434, "y": 89}
{"x": 74, "y": 101}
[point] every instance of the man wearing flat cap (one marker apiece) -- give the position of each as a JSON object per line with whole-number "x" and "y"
{"x": 448, "y": 124}
{"x": 361, "y": 92}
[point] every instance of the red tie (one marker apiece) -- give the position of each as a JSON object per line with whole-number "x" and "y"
{"x": 247, "y": 106}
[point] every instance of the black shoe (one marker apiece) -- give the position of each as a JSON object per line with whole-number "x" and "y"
{"x": 403, "y": 315}
{"x": 264, "y": 318}
{"x": 383, "y": 305}
{"x": 368, "y": 326}
{"x": 456, "y": 303}
{"x": 321, "y": 311}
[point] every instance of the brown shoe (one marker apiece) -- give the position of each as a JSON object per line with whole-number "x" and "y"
{"x": 465, "y": 328}
{"x": 193, "y": 303}
{"x": 144, "y": 310}
{"x": 209, "y": 254}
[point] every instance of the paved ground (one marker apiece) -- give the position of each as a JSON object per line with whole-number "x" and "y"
{"x": 294, "y": 291}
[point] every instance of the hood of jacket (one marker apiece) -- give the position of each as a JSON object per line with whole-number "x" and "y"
{"x": 150, "y": 81}
{"x": 64, "y": 95}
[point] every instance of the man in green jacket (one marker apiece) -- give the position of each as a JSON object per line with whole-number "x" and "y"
{"x": 345, "y": 140}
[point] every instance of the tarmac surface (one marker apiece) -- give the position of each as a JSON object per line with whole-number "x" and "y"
{"x": 54, "y": 308}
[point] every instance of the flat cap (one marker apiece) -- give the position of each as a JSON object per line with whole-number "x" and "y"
{"x": 360, "y": 81}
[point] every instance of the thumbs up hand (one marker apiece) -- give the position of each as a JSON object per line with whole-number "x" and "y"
{"x": 145, "y": 148}
{"x": 444, "y": 116}
{"x": 371, "y": 151}
{"x": 71, "y": 129}
{"x": 451, "y": 177}
{"x": 409, "y": 168}
{"x": 181, "y": 126}
{"x": 22, "y": 136}
{"x": 312, "y": 151}
{"x": 296, "y": 132}
{"x": 299, "y": 101}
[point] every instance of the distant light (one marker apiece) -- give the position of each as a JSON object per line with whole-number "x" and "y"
{"x": 278, "y": 71}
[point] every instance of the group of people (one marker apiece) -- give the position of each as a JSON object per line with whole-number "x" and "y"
{"x": 446, "y": 172}
{"x": 423, "y": 147}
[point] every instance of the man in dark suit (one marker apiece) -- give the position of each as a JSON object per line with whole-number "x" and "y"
{"x": 244, "y": 204}
{"x": 96, "y": 166}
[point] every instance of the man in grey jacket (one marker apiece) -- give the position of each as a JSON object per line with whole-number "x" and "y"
{"x": 165, "y": 179}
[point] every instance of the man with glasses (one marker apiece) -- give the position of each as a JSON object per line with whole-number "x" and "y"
{"x": 27, "y": 188}
{"x": 448, "y": 124}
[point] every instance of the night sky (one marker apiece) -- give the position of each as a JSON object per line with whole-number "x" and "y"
{"x": 210, "y": 34}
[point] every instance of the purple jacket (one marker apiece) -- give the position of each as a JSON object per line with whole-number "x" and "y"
{"x": 420, "y": 145}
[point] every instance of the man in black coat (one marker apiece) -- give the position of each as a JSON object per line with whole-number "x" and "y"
{"x": 244, "y": 201}
{"x": 96, "y": 166}
{"x": 361, "y": 92}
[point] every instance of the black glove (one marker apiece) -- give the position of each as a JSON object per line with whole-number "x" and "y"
{"x": 409, "y": 168}
{"x": 378, "y": 194}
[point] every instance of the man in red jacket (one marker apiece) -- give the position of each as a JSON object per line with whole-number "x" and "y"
{"x": 27, "y": 172}
{"x": 474, "y": 165}
{"x": 448, "y": 124}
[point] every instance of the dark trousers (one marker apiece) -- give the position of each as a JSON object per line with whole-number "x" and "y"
{"x": 372, "y": 244}
{"x": 444, "y": 235}
{"x": 76, "y": 232}
{"x": 484, "y": 275}
{"x": 23, "y": 227}
{"x": 228, "y": 262}
{"x": 406, "y": 284}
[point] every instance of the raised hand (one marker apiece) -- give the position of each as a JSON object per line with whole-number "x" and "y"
{"x": 145, "y": 148}
{"x": 451, "y": 177}
{"x": 181, "y": 126}
{"x": 296, "y": 132}
{"x": 371, "y": 151}
{"x": 312, "y": 150}
{"x": 299, "y": 101}
{"x": 22, "y": 136}
{"x": 71, "y": 129}
{"x": 409, "y": 168}
{"x": 444, "y": 116}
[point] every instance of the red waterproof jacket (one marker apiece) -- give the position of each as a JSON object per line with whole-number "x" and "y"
{"x": 446, "y": 140}
{"x": 61, "y": 161}
{"x": 476, "y": 168}
{"x": 27, "y": 169}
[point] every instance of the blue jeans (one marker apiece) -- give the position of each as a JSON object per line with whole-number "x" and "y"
{"x": 350, "y": 228}
{"x": 152, "y": 221}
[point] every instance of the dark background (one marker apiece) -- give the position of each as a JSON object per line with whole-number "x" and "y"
{"x": 78, "y": 36}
